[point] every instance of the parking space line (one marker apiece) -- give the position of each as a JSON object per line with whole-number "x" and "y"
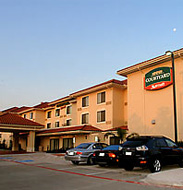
{"x": 98, "y": 177}
{"x": 98, "y": 173}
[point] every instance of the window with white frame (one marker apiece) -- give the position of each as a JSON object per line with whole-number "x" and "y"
{"x": 48, "y": 125}
{"x": 68, "y": 110}
{"x": 101, "y": 116}
{"x": 31, "y": 115}
{"x": 85, "y": 118}
{"x": 57, "y": 124}
{"x": 85, "y": 101}
{"x": 49, "y": 114}
{"x": 25, "y": 116}
{"x": 69, "y": 122}
{"x": 100, "y": 97}
{"x": 57, "y": 112}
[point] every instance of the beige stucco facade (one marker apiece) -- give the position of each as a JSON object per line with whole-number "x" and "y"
{"x": 115, "y": 107}
{"x": 152, "y": 111}
{"x": 38, "y": 115}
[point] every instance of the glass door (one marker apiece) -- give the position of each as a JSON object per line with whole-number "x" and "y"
{"x": 54, "y": 144}
{"x": 67, "y": 143}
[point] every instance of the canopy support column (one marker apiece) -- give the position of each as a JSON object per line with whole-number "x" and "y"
{"x": 31, "y": 141}
{"x": 15, "y": 146}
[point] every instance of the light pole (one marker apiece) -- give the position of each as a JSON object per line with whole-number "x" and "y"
{"x": 170, "y": 53}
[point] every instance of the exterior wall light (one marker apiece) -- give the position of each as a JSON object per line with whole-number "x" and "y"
{"x": 153, "y": 122}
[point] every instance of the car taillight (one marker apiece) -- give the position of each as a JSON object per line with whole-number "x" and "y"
{"x": 112, "y": 155}
{"x": 78, "y": 152}
{"x": 94, "y": 154}
{"x": 143, "y": 162}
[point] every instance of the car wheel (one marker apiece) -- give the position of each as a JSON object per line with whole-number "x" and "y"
{"x": 75, "y": 162}
{"x": 129, "y": 167}
{"x": 90, "y": 161}
{"x": 181, "y": 162}
{"x": 155, "y": 165}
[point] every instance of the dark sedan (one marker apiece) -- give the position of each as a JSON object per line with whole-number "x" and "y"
{"x": 107, "y": 156}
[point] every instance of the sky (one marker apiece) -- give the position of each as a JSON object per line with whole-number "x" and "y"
{"x": 52, "y": 48}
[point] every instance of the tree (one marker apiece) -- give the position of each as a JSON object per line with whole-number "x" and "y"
{"x": 121, "y": 134}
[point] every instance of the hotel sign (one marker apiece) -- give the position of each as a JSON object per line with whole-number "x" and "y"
{"x": 158, "y": 78}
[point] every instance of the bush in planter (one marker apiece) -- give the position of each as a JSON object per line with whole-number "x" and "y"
{"x": 180, "y": 143}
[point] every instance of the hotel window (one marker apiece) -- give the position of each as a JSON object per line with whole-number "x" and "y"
{"x": 31, "y": 115}
{"x": 57, "y": 124}
{"x": 48, "y": 125}
{"x": 57, "y": 112}
{"x": 85, "y": 118}
{"x": 25, "y": 116}
{"x": 68, "y": 122}
{"x": 68, "y": 110}
{"x": 49, "y": 114}
{"x": 100, "y": 97}
{"x": 101, "y": 116}
{"x": 85, "y": 101}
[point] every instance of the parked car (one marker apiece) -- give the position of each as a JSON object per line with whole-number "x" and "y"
{"x": 83, "y": 152}
{"x": 108, "y": 155}
{"x": 150, "y": 151}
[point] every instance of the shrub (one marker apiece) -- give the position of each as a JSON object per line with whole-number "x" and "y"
{"x": 180, "y": 143}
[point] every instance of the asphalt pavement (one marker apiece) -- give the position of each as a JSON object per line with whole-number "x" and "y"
{"x": 42, "y": 170}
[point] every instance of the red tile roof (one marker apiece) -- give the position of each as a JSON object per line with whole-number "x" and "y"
{"x": 115, "y": 129}
{"x": 16, "y": 109}
{"x": 24, "y": 108}
{"x": 66, "y": 98}
{"x": 42, "y": 105}
{"x": 15, "y": 119}
{"x": 10, "y": 109}
{"x": 104, "y": 83}
{"x": 66, "y": 129}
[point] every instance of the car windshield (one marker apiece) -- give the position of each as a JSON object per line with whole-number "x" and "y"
{"x": 112, "y": 147}
{"x": 134, "y": 143}
{"x": 83, "y": 146}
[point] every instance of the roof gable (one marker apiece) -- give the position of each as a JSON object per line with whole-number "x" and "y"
{"x": 148, "y": 63}
{"x": 15, "y": 119}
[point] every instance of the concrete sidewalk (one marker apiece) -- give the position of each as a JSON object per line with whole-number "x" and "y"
{"x": 172, "y": 177}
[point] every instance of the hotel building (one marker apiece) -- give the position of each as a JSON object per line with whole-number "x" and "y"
{"x": 144, "y": 104}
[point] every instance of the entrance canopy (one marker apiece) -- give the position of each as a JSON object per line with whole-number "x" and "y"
{"x": 11, "y": 122}
{"x": 14, "y": 123}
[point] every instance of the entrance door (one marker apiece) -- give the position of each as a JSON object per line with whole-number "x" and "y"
{"x": 54, "y": 144}
{"x": 114, "y": 140}
{"x": 67, "y": 143}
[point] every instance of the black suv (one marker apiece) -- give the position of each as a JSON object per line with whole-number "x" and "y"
{"x": 151, "y": 152}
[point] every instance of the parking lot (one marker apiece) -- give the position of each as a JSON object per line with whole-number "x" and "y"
{"x": 45, "y": 171}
